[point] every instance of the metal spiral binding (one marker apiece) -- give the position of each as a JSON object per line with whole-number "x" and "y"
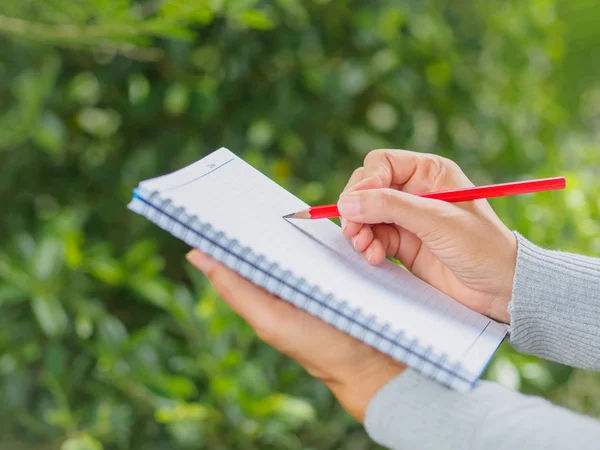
{"x": 338, "y": 313}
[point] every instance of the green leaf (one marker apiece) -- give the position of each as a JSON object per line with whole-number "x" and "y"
{"x": 139, "y": 88}
{"x": 48, "y": 258}
{"x": 181, "y": 411}
{"x": 82, "y": 442}
{"x": 439, "y": 73}
{"x": 50, "y": 133}
{"x": 295, "y": 410}
{"x": 139, "y": 252}
{"x": 382, "y": 116}
{"x": 106, "y": 269}
{"x": 152, "y": 290}
{"x": 85, "y": 89}
{"x": 50, "y": 315}
{"x": 256, "y": 19}
{"x": 98, "y": 122}
{"x": 260, "y": 133}
{"x": 112, "y": 331}
{"x": 177, "y": 99}
{"x": 198, "y": 11}
{"x": 73, "y": 242}
{"x": 180, "y": 387}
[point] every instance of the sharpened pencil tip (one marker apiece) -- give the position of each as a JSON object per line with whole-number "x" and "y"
{"x": 298, "y": 215}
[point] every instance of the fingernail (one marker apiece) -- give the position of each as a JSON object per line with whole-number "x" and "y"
{"x": 200, "y": 261}
{"x": 349, "y": 206}
{"x": 353, "y": 239}
{"x": 369, "y": 254}
{"x": 344, "y": 222}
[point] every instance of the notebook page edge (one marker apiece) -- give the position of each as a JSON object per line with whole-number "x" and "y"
{"x": 479, "y": 355}
{"x": 188, "y": 173}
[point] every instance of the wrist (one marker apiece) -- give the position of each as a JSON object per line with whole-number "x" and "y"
{"x": 499, "y": 307}
{"x": 355, "y": 390}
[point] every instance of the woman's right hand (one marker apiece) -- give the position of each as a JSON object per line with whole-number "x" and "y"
{"x": 462, "y": 249}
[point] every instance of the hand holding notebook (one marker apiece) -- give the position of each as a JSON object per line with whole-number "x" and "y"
{"x": 354, "y": 372}
{"x": 311, "y": 266}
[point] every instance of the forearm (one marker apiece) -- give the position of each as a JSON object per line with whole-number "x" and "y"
{"x": 413, "y": 412}
{"x": 555, "y": 308}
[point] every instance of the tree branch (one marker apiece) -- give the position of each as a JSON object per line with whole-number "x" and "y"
{"x": 105, "y": 37}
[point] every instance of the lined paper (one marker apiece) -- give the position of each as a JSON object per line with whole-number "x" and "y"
{"x": 245, "y": 205}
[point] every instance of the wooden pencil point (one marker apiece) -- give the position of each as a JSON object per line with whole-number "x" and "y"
{"x": 298, "y": 215}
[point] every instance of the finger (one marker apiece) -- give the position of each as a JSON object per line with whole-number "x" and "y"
{"x": 410, "y": 171}
{"x": 356, "y": 176}
{"x": 394, "y": 241}
{"x": 352, "y": 228}
{"x": 363, "y": 239}
{"x": 421, "y": 216}
{"x": 385, "y": 241}
{"x": 265, "y": 313}
{"x": 403, "y": 245}
{"x": 409, "y": 248}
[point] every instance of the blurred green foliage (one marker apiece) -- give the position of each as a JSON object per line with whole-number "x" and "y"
{"x": 107, "y": 339}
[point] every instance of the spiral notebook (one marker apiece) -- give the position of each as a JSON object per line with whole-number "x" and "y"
{"x": 226, "y": 208}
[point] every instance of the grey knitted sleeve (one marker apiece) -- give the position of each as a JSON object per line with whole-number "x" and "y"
{"x": 555, "y": 314}
{"x": 555, "y": 309}
{"x": 413, "y": 412}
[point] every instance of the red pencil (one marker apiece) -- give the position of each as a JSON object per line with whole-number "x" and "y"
{"x": 458, "y": 195}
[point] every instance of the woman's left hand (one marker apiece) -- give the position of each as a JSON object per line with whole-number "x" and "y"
{"x": 352, "y": 370}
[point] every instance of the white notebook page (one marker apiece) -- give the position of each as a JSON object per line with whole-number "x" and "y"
{"x": 246, "y": 205}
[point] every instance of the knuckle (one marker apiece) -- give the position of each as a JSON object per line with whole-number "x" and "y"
{"x": 435, "y": 170}
{"x": 374, "y": 155}
{"x": 357, "y": 172}
{"x": 380, "y": 166}
{"x": 354, "y": 179}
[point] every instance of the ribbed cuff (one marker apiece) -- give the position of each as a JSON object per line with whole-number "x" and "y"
{"x": 555, "y": 308}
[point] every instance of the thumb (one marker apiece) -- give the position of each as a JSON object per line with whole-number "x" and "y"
{"x": 421, "y": 216}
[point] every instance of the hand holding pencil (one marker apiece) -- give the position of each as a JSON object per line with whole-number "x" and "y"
{"x": 461, "y": 248}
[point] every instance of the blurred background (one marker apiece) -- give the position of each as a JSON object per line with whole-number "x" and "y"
{"x": 107, "y": 339}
